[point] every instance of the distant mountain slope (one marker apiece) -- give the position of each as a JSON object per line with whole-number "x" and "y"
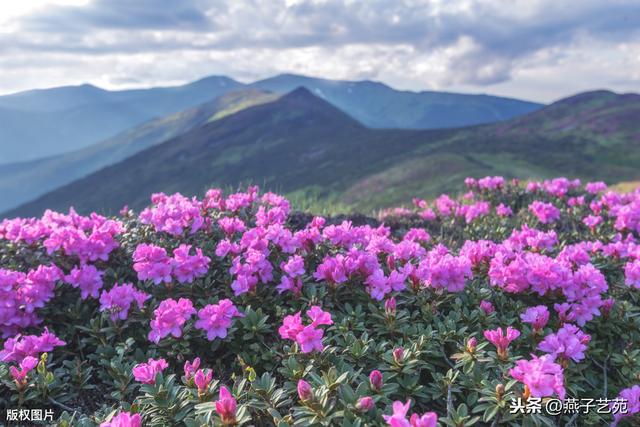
{"x": 379, "y": 106}
{"x": 21, "y": 182}
{"x": 41, "y": 123}
{"x": 302, "y": 145}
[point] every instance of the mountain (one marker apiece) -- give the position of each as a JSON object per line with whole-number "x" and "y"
{"x": 24, "y": 181}
{"x": 379, "y": 106}
{"x": 303, "y": 146}
{"x": 46, "y": 122}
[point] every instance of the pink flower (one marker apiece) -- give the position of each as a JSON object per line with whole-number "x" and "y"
{"x": 291, "y": 326}
{"x": 310, "y": 339}
{"x": 202, "y": 380}
{"x": 151, "y": 262}
{"x": 26, "y": 365}
{"x": 399, "y": 416}
{"x": 124, "y": 419}
{"x": 537, "y": 317}
{"x": 226, "y": 406}
{"x": 503, "y": 211}
{"x": 540, "y": 375}
{"x": 398, "y": 355}
{"x": 188, "y": 267}
{"x": 319, "y": 317}
{"x": 172, "y": 214}
{"x": 365, "y": 404}
{"x": 146, "y": 372}
{"x": 294, "y": 267}
{"x": 190, "y": 368}
{"x": 216, "y": 319}
{"x": 568, "y": 343}
{"x": 592, "y": 221}
{"x": 119, "y": 299}
{"x": 305, "y": 392}
{"x": 545, "y": 212}
{"x": 375, "y": 380}
{"x": 87, "y": 278}
{"x": 501, "y": 340}
{"x": 390, "y": 306}
{"x": 17, "y": 348}
{"x": 487, "y": 307}
{"x": 428, "y": 419}
{"x": 632, "y": 396}
{"x": 632, "y": 274}
{"x": 169, "y": 318}
{"x": 595, "y": 187}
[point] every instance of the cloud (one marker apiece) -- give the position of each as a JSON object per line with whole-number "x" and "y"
{"x": 434, "y": 44}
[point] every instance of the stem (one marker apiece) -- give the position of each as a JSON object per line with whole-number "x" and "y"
{"x": 62, "y": 405}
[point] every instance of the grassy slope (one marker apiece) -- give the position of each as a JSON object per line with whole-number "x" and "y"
{"x": 22, "y": 182}
{"x": 303, "y": 146}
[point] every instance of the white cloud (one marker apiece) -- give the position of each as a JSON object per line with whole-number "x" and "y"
{"x": 537, "y": 49}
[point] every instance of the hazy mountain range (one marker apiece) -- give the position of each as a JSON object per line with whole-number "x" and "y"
{"x": 51, "y": 137}
{"x": 306, "y": 144}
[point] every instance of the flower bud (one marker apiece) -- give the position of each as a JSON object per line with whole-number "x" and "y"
{"x": 365, "y": 404}
{"x": 390, "y": 306}
{"x": 471, "y": 344}
{"x": 305, "y": 392}
{"x": 500, "y": 390}
{"x": 375, "y": 379}
{"x": 398, "y": 355}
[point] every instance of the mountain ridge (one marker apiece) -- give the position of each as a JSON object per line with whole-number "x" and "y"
{"x": 303, "y": 145}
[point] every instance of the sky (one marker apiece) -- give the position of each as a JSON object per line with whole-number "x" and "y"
{"x": 539, "y": 50}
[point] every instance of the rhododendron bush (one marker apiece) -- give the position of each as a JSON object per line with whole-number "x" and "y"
{"x": 236, "y": 310}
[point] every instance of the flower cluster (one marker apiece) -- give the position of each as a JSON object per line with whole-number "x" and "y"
{"x": 119, "y": 299}
{"x": 309, "y": 337}
{"x": 152, "y": 263}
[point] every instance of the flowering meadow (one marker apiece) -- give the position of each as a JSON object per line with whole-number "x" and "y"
{"x": 236, "y": 310}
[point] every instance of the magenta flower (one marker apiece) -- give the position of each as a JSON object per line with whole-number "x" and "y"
{"x": 17, "y": 348}
{"x": 119, "y": 299}
{"x": 26, "y": 365}
{"x": 501, "y": 340}
{"x": 545, "y": 212}
{"x": 169, "y": 318}
{"x": 190, "y": 368}
{"x": 124, "y": 419}
{"x": 187, "y": 267}
{"x": 632, "y": 274}
{"x": 305, "y": 392}
{"x": 226, "y": 406}
{"x": 291, "y": 326}
{"x": 399, "y": 416}
{"x": 319, "y": 317}
{"x": 537, "y": 317}
{"x": 146, "y": 372}
{"x": 375, "y": 380}
{"x": 540, "y": 375}
{"x": 151, "y": 262}
{"x": 87, "y": 278}
{"x": 503, "y": 210}
{"x": 216, "y": 319}
{"x": 310, "y": 339}
{"x": 202, "y": 380}
{"x": 487, "y": 307}
{"x": 365, "y": 404}
{"x": 632, "y": 396}
{"x": 568, "y": 343}
{"x": 428, "y": 419}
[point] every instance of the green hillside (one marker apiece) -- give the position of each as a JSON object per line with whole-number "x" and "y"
{"x": 305, "y": 147}
{"x": 25, "y": 181}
